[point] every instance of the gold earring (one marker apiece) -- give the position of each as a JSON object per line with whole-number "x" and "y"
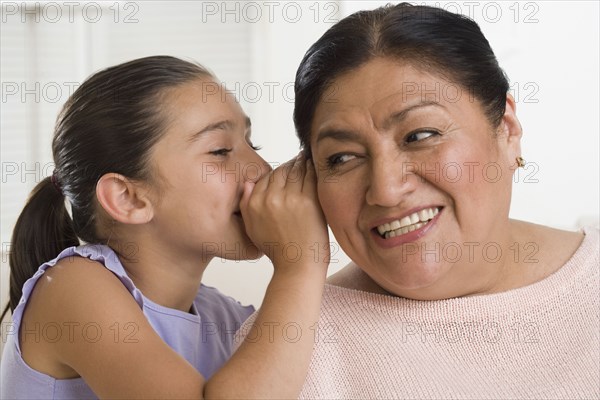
{"x": 520, "y": 162}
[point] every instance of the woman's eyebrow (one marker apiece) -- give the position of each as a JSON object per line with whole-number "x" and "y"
{"x": 401, "y": 115}
{"x": 337, "y": 134}
{"x": 343, "y": 135}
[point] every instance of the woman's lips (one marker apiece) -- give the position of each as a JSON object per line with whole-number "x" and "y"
{"x": 406, "y": 229}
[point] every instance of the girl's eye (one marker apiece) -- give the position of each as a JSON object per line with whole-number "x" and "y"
{"x": 220, "y": 152}
{"x": 255, "y": 148}
{"x": 338, "y": 159}
{"x": 420, "y": 135}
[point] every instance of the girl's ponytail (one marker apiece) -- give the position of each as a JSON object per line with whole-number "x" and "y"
{"x": 109, "y": 124}
{"x": 42, "y": 231}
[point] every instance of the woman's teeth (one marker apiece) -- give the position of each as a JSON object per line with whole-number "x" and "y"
{"x": 408, "y": 223}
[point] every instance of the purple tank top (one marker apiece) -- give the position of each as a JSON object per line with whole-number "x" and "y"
{"x": 205, "y": 338}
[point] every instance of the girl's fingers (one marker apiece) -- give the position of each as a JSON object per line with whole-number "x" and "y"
{"x": 310, "y": 179}
{"x": 295, "y": 175}
{"x": 262, "y": 185}
{"x": 254, "y": 190}
{"x": 279, "y": 174}
{"x": 289, "y": 177}
{"x": 248, "y": 190}
{"x": 286, "y": 173}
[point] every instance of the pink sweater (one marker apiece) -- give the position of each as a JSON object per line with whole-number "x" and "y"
{"x": 536, "y": 342}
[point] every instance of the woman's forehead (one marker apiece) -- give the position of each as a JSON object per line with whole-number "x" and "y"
{"x": 384, "y": 89}
{"x": 382, "y": 80}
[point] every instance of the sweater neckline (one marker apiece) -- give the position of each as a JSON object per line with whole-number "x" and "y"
{"x": 557, "y": 284}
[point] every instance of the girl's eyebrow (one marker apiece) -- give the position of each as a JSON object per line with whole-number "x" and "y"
{"x": 223, "y": 125}
{"x": 220, "y": 125}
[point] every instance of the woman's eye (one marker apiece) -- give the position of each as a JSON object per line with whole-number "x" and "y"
{"x": 338, "y": 159}
{"x": 421, "y": 135}
{"x": 255, "y": 148}
{"x": 220, "y": 152}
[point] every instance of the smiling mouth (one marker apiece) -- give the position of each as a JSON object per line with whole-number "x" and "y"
{"x": 408, "y": 223}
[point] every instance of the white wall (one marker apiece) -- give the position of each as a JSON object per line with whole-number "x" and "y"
{"x": 548, "y": 49}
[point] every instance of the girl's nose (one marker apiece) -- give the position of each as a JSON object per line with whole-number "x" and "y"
{"x": 255, "y": 168}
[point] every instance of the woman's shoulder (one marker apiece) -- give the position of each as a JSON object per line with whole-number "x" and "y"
{"x": 589, "y": 251}
{"x": 553, "y": 246}
{"x": 552, "y": 250}
{"x": 546, "y": 234}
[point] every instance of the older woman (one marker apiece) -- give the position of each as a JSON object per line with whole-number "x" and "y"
{"x": 405, "y": 113}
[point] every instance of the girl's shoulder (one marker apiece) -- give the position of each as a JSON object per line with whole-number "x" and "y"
{"x": 68, "y": 299}
{"x": 78, "y": 282}
{"x": 73, "y": 267}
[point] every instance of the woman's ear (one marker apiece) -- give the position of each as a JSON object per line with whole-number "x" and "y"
{"x": 125, "y": 201}
{"x": 510, "y": 131}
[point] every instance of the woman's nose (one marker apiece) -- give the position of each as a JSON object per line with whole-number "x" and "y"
{"x": 389, "y": 182}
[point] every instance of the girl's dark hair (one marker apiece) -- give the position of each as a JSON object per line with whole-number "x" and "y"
{"x": 428, "y": 37}
{"x": 109, "y": 124}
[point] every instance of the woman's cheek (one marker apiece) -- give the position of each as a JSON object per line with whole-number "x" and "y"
{"x": 330, "y": 199}
{"x": 338, "y": 199}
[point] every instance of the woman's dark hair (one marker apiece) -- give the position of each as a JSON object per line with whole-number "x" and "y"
{"x": 428, "y": 37}
{"x": 109, "y": 124}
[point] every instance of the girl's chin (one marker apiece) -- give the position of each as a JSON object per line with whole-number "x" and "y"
{"x": 248, "y": 252}
{"x": 252, "y": 253}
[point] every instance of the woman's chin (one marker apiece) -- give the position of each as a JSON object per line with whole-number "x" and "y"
{"x": 412, "y": 279}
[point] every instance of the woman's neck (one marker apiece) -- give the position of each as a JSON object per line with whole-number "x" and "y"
{"x": 552, "y": 248}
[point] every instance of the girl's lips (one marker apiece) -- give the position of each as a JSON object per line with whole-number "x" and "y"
{"x": 407, "y": 237}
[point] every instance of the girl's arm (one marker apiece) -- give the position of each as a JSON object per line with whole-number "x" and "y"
{"x": 92, "y": 307}
{"x": 284, "y": 219}
{"x": 273, "y": 364}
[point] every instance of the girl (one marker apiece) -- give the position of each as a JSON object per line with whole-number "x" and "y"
{"x": 144, "y": 157}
